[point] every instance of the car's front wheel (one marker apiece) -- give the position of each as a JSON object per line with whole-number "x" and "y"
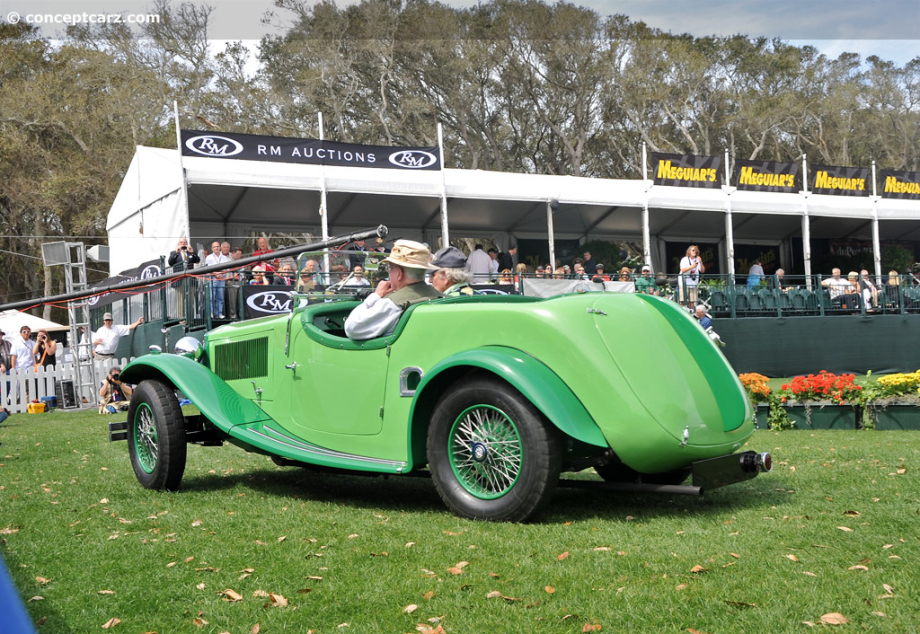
{"x": 492, "y": 454}
{"x": 156, "y": 436}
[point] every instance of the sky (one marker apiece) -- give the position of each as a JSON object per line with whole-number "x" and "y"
{"x": 887, "y": 28}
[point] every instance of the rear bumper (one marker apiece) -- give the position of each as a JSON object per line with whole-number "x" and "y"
{"x": 731, "y": 469}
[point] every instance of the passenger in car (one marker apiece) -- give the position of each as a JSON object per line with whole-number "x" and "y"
{"x": 378, "y": 315}
{"x": 451, "y": 279}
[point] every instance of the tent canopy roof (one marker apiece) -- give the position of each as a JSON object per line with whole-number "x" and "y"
{"x": 231, "y": 198}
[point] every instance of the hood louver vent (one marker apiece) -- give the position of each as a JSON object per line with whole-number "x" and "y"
{"x": 241, "y": 359}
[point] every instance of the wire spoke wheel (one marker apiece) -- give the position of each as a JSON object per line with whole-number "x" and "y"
{"x": 492, "y": 454}
{"x": 156, "y": 436}
{"x": 145, "y": 438}
{"x": 486, "y": 453}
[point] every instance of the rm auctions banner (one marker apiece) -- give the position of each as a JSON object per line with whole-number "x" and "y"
{"x": 250, "y": 147}
{"x": 144, "y": 271}
{"x": 687, "y": 170}
{"x": 767, "y": 176}
{"x": 840, "y": 181}
{"x": 905, "y": 185}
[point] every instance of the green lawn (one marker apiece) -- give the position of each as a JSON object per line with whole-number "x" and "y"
{"x": 834, "y": 528}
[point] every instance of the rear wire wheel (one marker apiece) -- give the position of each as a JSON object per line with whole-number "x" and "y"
{"x": 492, "y": 454}
{"x": 156, "y": 436}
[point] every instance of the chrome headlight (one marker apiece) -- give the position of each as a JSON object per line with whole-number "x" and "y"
{"x": 188, "y": 347}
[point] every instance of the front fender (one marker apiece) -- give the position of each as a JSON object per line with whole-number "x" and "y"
{"x": 219, "y": 403}
{"x": 532, "y": 378}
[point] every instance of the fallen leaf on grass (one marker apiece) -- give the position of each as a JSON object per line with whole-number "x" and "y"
{"x": 834, "y": 618}
{"x": 37, "y": 598}
{"x": 409, "y": 609}
{"x": 196, "y": 523}
{"x": 200, "y": 586}
{"x": 693, "y": 631}
{"x": 808, "y": 623}
{"x": 879, "y": 614}
{"x": 231, "y": 595}
{"x": 305, "y": 590}
{"x": 697, "y": 568}
{"x": 171, "y": 564}
{"x": 810, "y": 574}
{"x": 682, "y": 586}
{"x": 42, "y": 580}
{"x": 260, "y": 593}
{"x": 112, "y": 622}
{"x": 428, "y": 595}
{"x": 741, "y": 604}
{"x": 277, "y": 601}
{"x": 791, "y": 557}
{"x": 106, "y": 592}
{"x": 353, "y": 535}
{"x": 602, "y": 549}
{"x": 104, "y": 501}
{"x": 591, "y": 627}
{"x": 200, "y": 622}
{"x": 845, "y": 529}
{"x": 495, "y": 594}
{"x": 424, "y": 628}
{"x": 314, "y": 577}
{"x": 255, "y": 629}
{"x": 858, "y": 568}
{"x": 563, "y": 556}
{"x": 550, "y": 589}
{"x": 410, "y": 544}
{"x": 735, "y": 555}
{"x": 282, "y": 538}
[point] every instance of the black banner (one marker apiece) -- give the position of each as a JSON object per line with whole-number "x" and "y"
{"x": 840, "y": 181}
{"x": 260, "y": 301}
{"x": 144, "y": 271}
{"x": 687, "y": 170}
{"x": 767, "y": 176}
{"x": 250, "y": 147}
{"x": 894, "y": 184}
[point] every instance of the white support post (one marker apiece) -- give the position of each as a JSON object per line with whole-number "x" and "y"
{"x": 549, "y": 230}
{"x": 729, "y": 230}
{"x": 876, "y": 242}
{"x": 646, "y": 231}
{"x": 806, "y": 225}
{"x": 445, "y": 230}
{"x": 323, "y": 215}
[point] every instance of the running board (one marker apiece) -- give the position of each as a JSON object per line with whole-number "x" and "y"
{"x": 632, "y": 487}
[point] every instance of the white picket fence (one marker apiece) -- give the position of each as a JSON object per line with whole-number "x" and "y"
{"x": 18, "y": 390}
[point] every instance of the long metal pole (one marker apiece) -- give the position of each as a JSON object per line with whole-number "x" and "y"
{"x": 380, "y": 231}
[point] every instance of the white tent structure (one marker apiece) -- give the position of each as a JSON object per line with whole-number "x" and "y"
{"x": 12, "y": 320}
{"x": 164, "y": 196}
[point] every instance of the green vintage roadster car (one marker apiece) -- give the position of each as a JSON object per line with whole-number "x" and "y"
{"x": 494, "y": 396}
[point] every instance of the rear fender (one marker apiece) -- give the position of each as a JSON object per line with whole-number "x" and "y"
{"x": 216, "y": 400}
{"x": 532, "y": 378}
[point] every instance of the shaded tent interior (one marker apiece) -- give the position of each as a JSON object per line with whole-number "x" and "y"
{"x": 231, "y": 199}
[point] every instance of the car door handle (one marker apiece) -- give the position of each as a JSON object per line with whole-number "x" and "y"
{"x": 291, "y": 366}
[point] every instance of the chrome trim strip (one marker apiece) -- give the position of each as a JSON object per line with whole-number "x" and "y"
{"x": 283, "y": 439}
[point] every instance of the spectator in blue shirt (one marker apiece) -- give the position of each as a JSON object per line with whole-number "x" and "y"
{"x": 755, "y": 274}
{"x": 705, "y": 321}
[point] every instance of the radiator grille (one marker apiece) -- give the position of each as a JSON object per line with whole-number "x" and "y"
{"x": 241, "y": 359}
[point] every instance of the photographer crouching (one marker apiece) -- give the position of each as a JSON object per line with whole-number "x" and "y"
{"x": 114, "y": 395}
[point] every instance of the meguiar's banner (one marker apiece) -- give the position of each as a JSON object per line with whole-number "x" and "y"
{"x": 251, "y": 147}
{"x": 893, "y": 184}
{"x": 839, "y": 181}
{"x": 767, "y": 176}
{"x": 687, "y": 170}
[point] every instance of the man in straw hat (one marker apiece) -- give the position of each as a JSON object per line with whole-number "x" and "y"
{"x": 378, "y": 314}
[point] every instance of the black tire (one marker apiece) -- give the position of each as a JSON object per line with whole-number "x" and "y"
{"x": 492, "y": 454}
{"x": 156, "y": 436}
{"x": 618, "y": 472}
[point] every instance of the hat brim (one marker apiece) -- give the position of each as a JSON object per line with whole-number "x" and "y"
{"x": 411, "y": 265}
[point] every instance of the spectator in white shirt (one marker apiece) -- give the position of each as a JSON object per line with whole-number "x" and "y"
{"x": 105, "y": 340}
